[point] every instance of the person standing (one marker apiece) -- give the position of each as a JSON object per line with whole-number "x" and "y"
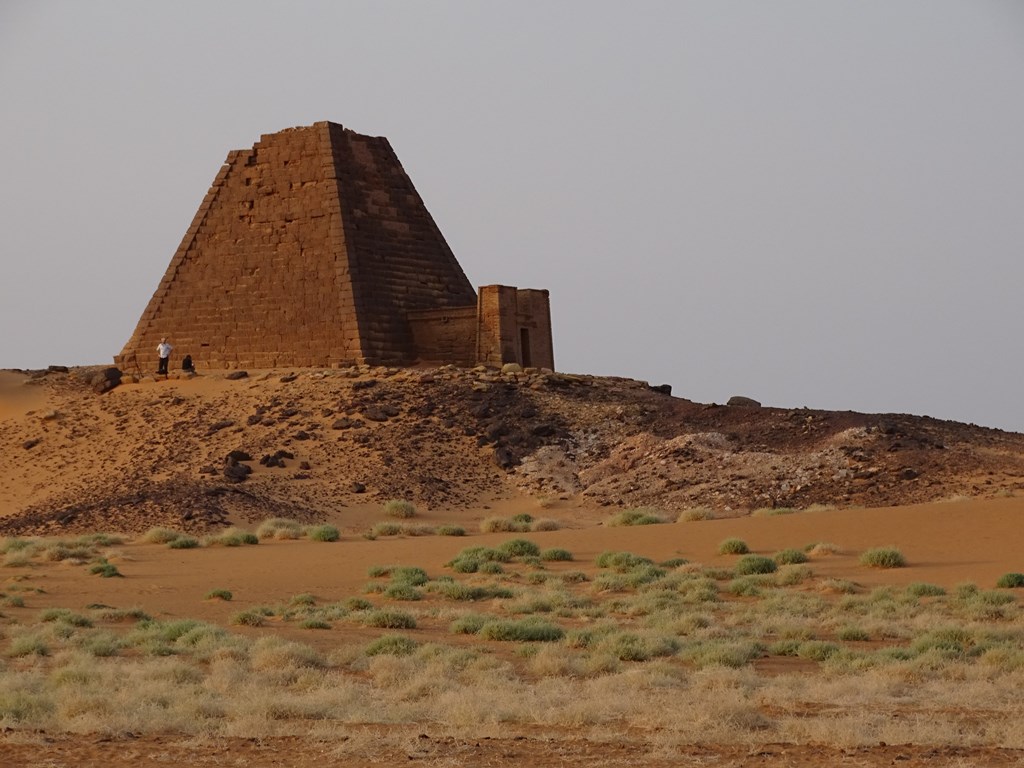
{"x": 163, "y": 351}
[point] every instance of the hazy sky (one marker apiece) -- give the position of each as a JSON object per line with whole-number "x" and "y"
{"x": 810, "y": 203}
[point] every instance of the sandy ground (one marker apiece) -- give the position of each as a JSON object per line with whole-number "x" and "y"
{"x": 945, "y": 544}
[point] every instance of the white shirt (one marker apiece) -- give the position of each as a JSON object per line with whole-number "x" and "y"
{"x": 164, "y": 349}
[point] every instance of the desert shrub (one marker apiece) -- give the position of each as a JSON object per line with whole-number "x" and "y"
{"x": 458, "y": 590}
{"x": 357, "y": 604}
{"x": 790, "y": 557}
{"x": 491, "y": 567}
{"x": 883, "y": 557}
{"x": 772, "y": 511}
{"x": 695, "y": 514}
{"x": 303, "y": 599}
{"x": 232, "y": 537}
{"x": 574, "y": 577}
{"x": 468, "y": 624}
{"x": 391, "y": 645}
{"x": 13, "y": 601}
{"x": 519, "y": 548}
{"x": 219, "y": 594}
{"x": 949, "y": 642}
{"x": 621, "y": 561}
{"x": 409, "y": 574}
{"x": 523, "y": 630}
{"x": 853, "y": 635}
{"x": 1011, "y": 581}
{"x": 448, "y": 529}
{"x": 545, "y": 524}
{"x": 556, "y": 555}
{"x": 250, "y": 618}
{"x": 503, "y": 525}
{"x": 65, "y": 616}
{"x": 402, "y": 590}
{"x": 105, "y": 570}
{"x": 323, "y": 532}
{"x": 641, "y": 516}
{"x": 27, "y": 645}
{"x": 470, "y": 559}
{"x": 630, "y": 647}
{"x": 733, "y": 547}
{"x": 816, "y": 650}
{"x": 791, "y": 575}
{"x": 389, "y": 619}
{"x": 314, "y": 623}
{"x": 183, "y": 542}
{"x": 385, "y": 528}
{"x": 399, "y": 508}
{"x": 838, "y": 586}
{"x": 923, "y": 589}
{"x": 161, "y": 535}
{"x": 279, "y": 528}
{"x": 751, "y": 564}
{"x": 727, "y": 654}
{"x": 747, "y": 586}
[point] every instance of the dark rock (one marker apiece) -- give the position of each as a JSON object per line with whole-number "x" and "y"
{"x": 219, "y": 425}
{"x": 375, "y": 414}
{"x": 236, "y": 473}
{"x": 357, "y": 488}
{"x": 253, "y": 420}
{"x": 236, "y": 456}
{"x": 662, "y": 389}
{"x": 481, "y": 411}
{"x": 342, "y": 423}
{"x": 390, "y": 410}
{"x": 504, "y": 457}
{"x": 105, "y": 380}
{"x": 209, "y": 469}
{"x": 288, "y": 378}
{"x": 305, "y": 465}
{"x": 56, "y": 369}
{"x": 302, "y": 435}
{"x": 235, "y": 375}
{"x": 743, "y": 402}
{"x": 30, "y": 444}
{"x": 365, "y": 384}
{"x": 908, "y": 473}
{"x": 543, "y": 430}
{"x": 300, "y": 476}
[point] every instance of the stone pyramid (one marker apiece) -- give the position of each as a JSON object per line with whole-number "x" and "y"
{"x": 312, "y": 249}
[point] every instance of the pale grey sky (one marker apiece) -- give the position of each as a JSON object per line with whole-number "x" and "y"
{"x": 810, "y": 203}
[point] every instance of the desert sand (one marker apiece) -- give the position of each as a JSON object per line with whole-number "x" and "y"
{"x": 84, "y": 684}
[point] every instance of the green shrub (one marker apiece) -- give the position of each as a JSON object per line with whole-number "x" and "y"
{"x": 323, "y": 532}
{"x": 556, "y": 555}
{"x": 733, "y": 547}
{"x": 468, "y": 624}
{"x": 524, "y": 630}
{"x": 673, "y": 562}
{"x": 384, "y": 529}
{"x": 621, "y": 561}
{"x": 450, "y": 530}
{"x": 161, "y": 536}
{"x": 519, "y": 548}
{"x": 391, "y": 645}
{"x": 64, "y": 616}
{"x": 232, "y": 537}
{"x": 883, "y": 557}
{"x": 183, "y": 542}
{"x": 503, "y": 525}
{"x": 816, "y": 650}
{"x": 544, "y": 524}
{"x": 790, "y": 557}
{"x": 750, "y": 564}
{"x": 399, "y": 508}
{"x": 105, "y": 570}
{"x": 641, "y": 516}
{"x": 772, "y": 511}
{"x": 923, "y": 589}
{"x": 219, "y": 594}
{"x": 357, "y": 604}
{"x": 279, "y": 528}
{"x": 314, "y": 623}
{"x": 389, "y": 619}
{"x": 853, "y": 635}
{"x": 409, "y": 574}
{"x": 250, "y": 618}
{"x": 402, "y": 590}
{"x": 1011, "y": 581}
{"x": 304, "y": 599}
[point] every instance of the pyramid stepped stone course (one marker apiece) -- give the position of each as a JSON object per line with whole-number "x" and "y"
{"x": 313, "y": 249}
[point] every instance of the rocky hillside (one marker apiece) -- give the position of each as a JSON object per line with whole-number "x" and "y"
{"x": 196, "y": 452}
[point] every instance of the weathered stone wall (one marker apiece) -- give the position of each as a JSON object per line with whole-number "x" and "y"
{"x": 445, "y": 335}
{"x": 514, "y": 326}
{"x": 533, "y": 316}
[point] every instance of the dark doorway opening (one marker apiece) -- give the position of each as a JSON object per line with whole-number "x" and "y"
{"x": 524, "y": 346}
